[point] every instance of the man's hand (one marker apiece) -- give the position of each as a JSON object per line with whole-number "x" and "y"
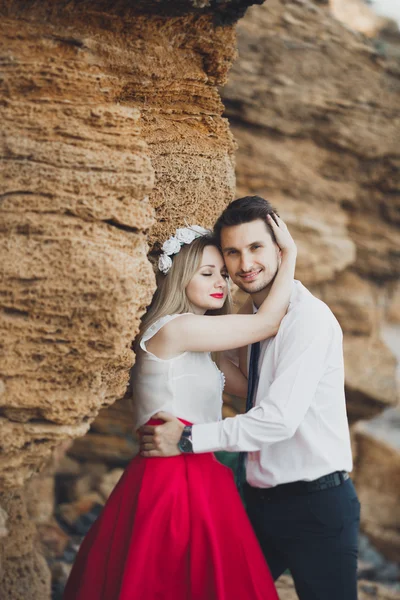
{"x": 161, "y": 440}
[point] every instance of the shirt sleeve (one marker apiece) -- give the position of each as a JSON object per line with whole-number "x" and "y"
{"x": 300, "y": 357}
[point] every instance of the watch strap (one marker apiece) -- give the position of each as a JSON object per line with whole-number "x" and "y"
{"x": 185, "y": 443}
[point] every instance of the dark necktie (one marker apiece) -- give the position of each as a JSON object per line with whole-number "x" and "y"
{"x": 251, "y": 387}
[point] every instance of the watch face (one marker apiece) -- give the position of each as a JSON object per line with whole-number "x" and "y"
{"x": 185, "y": 445}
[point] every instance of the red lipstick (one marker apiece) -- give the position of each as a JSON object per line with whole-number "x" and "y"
{"x": 217, "y": 295}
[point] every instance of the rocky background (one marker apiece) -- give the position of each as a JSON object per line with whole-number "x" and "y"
{"x": 113, "y": 135}
{"x": 103, "y": 104}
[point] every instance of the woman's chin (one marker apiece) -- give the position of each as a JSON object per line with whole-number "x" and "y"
{"x": 213, "y": 304}
{"x": 216, "y": 304}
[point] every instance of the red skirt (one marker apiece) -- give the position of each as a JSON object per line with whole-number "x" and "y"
{"x": 172, "y": 529}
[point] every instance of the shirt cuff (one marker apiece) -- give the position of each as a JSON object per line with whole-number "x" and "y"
{"x": 207, "y": 437}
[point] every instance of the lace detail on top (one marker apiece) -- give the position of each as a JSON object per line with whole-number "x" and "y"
{"x": 223, "y": 381}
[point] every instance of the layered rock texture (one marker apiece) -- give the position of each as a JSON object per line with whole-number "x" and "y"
{"x": 378, "y": 480}
{"x": 99, "y": 110}
{"x": 110, "y": 116}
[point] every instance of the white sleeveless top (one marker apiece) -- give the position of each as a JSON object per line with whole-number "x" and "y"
{"x": 188, "y": 386}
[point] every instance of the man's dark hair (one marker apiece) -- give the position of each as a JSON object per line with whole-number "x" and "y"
{"x": 244, "y": 210}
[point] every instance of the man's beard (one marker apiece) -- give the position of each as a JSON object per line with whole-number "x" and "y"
{"x": 258, "y": 288}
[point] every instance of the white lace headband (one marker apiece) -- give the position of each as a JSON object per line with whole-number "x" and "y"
{"x": 184, "y": 235}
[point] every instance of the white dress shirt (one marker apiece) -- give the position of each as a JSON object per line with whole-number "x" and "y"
{"x": 298, "y": 427}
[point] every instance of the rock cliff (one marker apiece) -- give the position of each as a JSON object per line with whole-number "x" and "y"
{"x": 110, "y": 117}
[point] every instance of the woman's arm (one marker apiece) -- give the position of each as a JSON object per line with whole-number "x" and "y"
{"x": 198, "y": 333}
{"x": 235, "y": 381}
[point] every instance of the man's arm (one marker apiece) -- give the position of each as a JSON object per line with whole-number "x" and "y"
{"x": 301, "y": 349}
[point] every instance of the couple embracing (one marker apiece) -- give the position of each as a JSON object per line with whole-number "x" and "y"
{"x": 174, "y": 528}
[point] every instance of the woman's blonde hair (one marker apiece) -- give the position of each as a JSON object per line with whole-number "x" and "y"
{"x": 170, "y": 296}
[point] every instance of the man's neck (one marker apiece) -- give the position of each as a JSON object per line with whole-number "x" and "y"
{"x": 259, "y": 297}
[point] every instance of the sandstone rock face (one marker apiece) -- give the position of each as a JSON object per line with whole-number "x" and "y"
{"x": 23, "y": 570}
{"x": 378, "y": 480}
{"x": 393, "y": 305}
{"x": 370, "y": 377}
{"x": 99, "y": 110}
{"x": 111, "y": 439}
{"x": 74, "y": 274}
{"x": 316, "y": 114}
{"x": 110, "y": 116}
{"x": 354, "y": 302}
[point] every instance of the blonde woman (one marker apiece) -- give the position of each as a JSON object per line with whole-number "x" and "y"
{"x": 175, "y": 528}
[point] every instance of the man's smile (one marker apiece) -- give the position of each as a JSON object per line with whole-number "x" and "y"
{"x": 250, "y": 276}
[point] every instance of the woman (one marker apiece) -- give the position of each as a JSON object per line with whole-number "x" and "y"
{"x": 175, "y": 528}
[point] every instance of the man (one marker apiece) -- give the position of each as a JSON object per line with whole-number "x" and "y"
{"x": 299, "y": 497}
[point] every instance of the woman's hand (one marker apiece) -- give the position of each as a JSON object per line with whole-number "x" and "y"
{"x": 282, "y": 234}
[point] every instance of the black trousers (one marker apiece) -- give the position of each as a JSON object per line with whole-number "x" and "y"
{"x": 313, "y": 535}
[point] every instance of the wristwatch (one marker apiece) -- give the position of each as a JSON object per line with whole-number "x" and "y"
{"x": 185, "y": 443}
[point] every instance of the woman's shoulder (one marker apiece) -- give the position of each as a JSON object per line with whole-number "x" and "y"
{"x": 159, "y": 337}
{"x": 159, "y": 324}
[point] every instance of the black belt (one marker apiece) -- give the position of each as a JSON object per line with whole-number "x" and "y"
{"x": 298, "y": 487}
